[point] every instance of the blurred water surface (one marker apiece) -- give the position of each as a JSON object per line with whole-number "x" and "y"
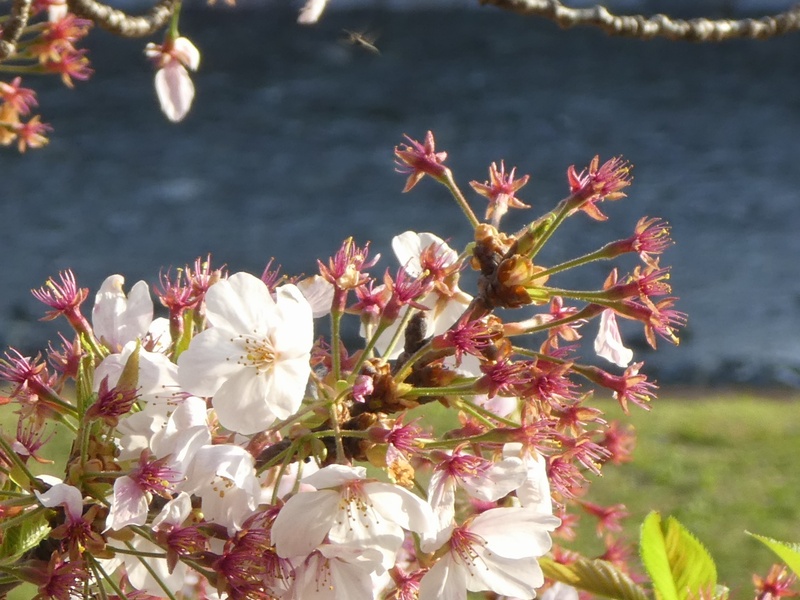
{"x": 289, "y": 149}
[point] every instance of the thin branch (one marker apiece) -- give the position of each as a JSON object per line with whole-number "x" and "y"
{"x": 639, "y": 26}
{"x": 12, "y": 29}
{"x": 118, "y": 23}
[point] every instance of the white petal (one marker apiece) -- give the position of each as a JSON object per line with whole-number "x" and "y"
{"x": 515, "y": 578}
{"x": 118, "y": 319}
{"x": 444, "y": 581}
{"x": 294, "y": 327}
{"x": 287, "y": 386}
{"x": 560, "y": 591}
{"x": 319, "y": 293}
{"x": 515, "y": 532}
{"x": 241, "y": 303}
{"x": 243, "y": 403}
{"x": 175, "y": 512}
{"x": 334, "y": 476}
{"x": 61, "y": 493}
{"x": 139, "y": 313}
{"x": 311, "y": 12}
{"x": 407, "y": 247}
{"x": 211, "y": 358}
{"x": 303, "y": 522}
{"x": 608, "y": 343}
{"x": 128, "y": 505}
{"x": 534, "y": 493}
{"x": 443, "y": 250}
{"x": 401, "y": 506}
{"x": 503, "y": 477}
{"x": 187, "y": 53}
{"x": 175, "y": 91}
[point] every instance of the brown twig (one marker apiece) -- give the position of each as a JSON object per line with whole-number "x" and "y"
{"x": 639, "y": 26}
{"x": 12, "y": 29}
{"x": 121, "y": 24}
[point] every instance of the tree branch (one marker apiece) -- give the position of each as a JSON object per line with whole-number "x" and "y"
{"x": 12, "y": 29}
{"x": 118, "y": 23}
{"x": 639, "y": 26}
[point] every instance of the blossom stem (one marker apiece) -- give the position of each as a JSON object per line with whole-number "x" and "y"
{"x": 405, "y": 370}
{"x": 484, "y": 414}
{"x": 561, "y": 213}
{"x": 336, "y": 355}
{"x": 397, "y": 334}
{"x": 451, "y": 185}
{"x": 367, "y": 352}
{"x": 587, "y": 312}
{"x": 102, "y": 577}
{"x": 469, "y": 389}
{"x": 173, "y": 23}
{"x": 599, "y": 297}
{"x": 337, "y": 433}
{"x": 331, "y": 432}
{"x": 489, "y": 436}
{"x": 603, "y": 253}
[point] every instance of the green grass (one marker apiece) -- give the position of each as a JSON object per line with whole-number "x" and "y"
{"x": 721, "y": 465}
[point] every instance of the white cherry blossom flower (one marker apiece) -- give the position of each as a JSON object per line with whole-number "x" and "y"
{"x": 224, "y": 477}
{"x": 608, "y": 343}
{"x": 446, "y": 303}
{"x": 334, "y": 572}
{"x": 481, "y": 478}
{"x": 254, "y": 360}
{"x": 118, "y": 319}
{"x": 496, "y": 551}
{"x": 174, "y": 85}
{"x": 348, "y": 508}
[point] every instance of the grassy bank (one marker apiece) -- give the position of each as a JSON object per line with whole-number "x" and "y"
{"x": 720, "y": 464}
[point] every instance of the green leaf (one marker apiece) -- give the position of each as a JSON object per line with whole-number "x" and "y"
{"x": 22, "y": 537}
{"x": 786, "y": 551}
{"x": 679, "y": 566}
{"x": 597, "y": 577}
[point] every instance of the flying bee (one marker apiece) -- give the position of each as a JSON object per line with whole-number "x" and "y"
{"x": 362, "y": 40}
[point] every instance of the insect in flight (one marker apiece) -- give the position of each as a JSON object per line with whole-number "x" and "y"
{"x": 362, "y": 40}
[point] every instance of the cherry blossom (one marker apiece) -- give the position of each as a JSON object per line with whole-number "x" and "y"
{"x": 118, "y": 319}
{"x": 496, "y": 551}
{"x": 174, "y": 85}
{"x": 254, "y": 360}
{"x": 348, "y": 508}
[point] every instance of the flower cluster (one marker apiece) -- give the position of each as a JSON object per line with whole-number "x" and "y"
{"x": 225, "y": 451}
{"x": 46, "y": 46}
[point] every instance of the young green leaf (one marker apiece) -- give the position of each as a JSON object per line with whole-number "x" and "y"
{"x": 788, "y": 552}
{"x": 597, "y": 577}
{"x": 22, "y": 537}
{"x": 678, "y": 564}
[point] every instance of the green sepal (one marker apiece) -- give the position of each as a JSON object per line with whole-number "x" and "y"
{"x": 598, "y": 577}
{"x": 788, "y": 552}
{"x": 23, "y": 536}
{"x": 182, "y": 343}
{"x": 679, "y": 566}
{"x": 129, "y": 378}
